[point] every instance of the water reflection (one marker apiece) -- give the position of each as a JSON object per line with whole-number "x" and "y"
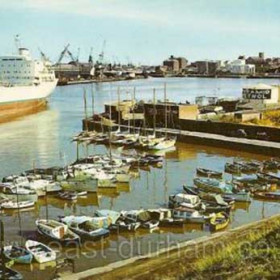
{"x": 44, "y": 140}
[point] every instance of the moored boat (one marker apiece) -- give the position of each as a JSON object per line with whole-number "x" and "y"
{"x": 219, "y": 221}
{"x": 18, "y": 254}
{"x": 209, "y": 173}
{"x": 17, "y": 205}
{"x": 267, "y": 195}
{"x": 57, "y": 231}
{"x": 41, "y": 252}
{"x": 189, "y": 215}
{"x": 9, "y": 274}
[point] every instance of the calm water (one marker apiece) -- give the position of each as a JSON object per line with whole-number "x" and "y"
{"x": 44, "y": 139}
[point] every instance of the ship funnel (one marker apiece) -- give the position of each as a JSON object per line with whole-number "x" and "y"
{"x": 24, "y": 52}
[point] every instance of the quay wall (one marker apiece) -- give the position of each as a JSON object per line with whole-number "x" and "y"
{"x": 178, "y": 259}
{"x": 228, "y": 129}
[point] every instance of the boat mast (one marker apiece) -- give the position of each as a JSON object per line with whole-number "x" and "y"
{"x": 3, "y": 267}
{"x": 46, "y": 200}
{"x": 92, "y": 100}
{"x": 85, "y": 108}
{"x": 154, "y": 110}
{"x": 133, "y": 104}
{"x": 165, "y": 111}
{"x": 119, "y": 112}
{"x": 110, "y": 128}
{"x": 19, "y": 217}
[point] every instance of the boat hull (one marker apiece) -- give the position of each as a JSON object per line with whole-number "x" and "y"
{"x": 19, "y": 109}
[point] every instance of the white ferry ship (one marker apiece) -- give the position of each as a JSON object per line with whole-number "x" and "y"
{"x": 25, "y": 84}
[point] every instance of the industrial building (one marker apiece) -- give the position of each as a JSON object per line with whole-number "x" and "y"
{"x": 175, "y": 64}
{"x": 208, "y": 67}
{"x": 239, "y": 66}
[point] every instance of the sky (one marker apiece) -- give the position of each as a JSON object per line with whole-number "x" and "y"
{"x": 142, "y": 31}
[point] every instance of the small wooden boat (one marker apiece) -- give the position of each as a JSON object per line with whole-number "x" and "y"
{"x": 17, "y": 205}
{"x": 15, "y": 193}
{"x": 269, "y": 178}
{"x": 186, "y": 200}
{"x": 219, "y": 221}
{"x": 197, "y": 191}
{"x": 57, "y": 231}
{"x": 87, "y": 231}
{"x": 270, "y": 165}
{"x": 170, "y": 222}
{"x": 151, "y": 224}
{"x": 68, "y": 195}
{"x": 212, "y": 207}
{"x": 164, "y": 144}
{"x": 267, "y": 195}
{"x": 9, "y": 274}
{"x": 41, "y": 252}
{"x": 124, "y": 225}
{"x": 18, "y": 254}
{"x": 189, "y": 215}
{"x": 209, "y": 173}
{"x": 232, "y": 168}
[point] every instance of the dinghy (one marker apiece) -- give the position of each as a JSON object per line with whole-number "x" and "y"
{"x": 18, "y": 254}
{"x": 209, "y": 173}
{"x": 86, "y": 227}
{"x": 57, "y": 231}
{"x": 9, "y": 274}
{"x": 17, "y": 205}
{"x": 41, "y": 252}
{"x": 219, "y": 221}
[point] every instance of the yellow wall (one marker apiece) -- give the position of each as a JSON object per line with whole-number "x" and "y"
{"x": 188, "y": 112}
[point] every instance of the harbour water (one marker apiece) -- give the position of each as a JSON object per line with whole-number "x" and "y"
{"x": 44, "y": 139}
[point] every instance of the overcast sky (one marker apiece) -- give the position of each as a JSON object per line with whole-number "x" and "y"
{"x": 145, "y": 31}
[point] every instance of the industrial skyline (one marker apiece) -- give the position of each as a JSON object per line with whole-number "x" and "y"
{"x": 142, "y": 31}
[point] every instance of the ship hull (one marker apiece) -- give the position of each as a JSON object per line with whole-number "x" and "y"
{"x": 16, "y": 102}
{"x": 12, "y": 111}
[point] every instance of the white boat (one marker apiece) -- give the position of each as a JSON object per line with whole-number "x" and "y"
{"x": 167, "y": 143}
{"x": 98, "y": 222}
{"x": 41, "y": 252}
{"x": 189, "y": 215}
{"x": 112, "y": 215}
{"x": 28, "y": 89}
{"x": 17, "y": 205}
{"x": 86, "y": 227}
{"x": 12, "y": 192}
{"x": 186, "y": 200}
{"x": 56, "y": 231}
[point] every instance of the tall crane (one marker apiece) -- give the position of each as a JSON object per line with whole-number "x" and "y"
{"x": 90, "y": 59}
{"x": 64, "y": 52}
{"x": 43, "y": 56}
{"x": 78, "y": 55}
{"x": 101, "y": 55}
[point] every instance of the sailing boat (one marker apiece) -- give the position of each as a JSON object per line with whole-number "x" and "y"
{"x": 166, "y": 142}
{"x": 123, "y": 137}
{"x": 147, "y": 142}
{"x": 17, "y": 253}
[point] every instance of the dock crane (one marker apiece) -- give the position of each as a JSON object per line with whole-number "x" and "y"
{"x": 90, "y": 59}
{"x": 64, "y": 52}
{"x": 101, "y": 55}
{"x": 43, "y": 55}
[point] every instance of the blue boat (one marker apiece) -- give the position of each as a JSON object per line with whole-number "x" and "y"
{"x": 18, "y": 254}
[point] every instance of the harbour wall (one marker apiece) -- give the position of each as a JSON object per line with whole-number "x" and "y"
{"x": 229, "y": 129}
{"x": 219, "y": 140}
{"x": 180, "y": 258}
